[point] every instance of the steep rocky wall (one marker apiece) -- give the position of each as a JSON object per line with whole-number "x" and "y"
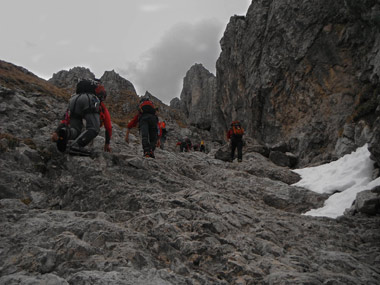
{"x": 298, "y": 71}
{"x": 67, "y": 79}
{"x": 198, "y": 95}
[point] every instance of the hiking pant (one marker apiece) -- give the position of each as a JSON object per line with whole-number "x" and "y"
{"x": 162, "y": 141}
{"x": 183, "y": 147}
{"x": 236, "y": 143}
{"x": 84, "y": 107}
{"x": 148, "y": 129}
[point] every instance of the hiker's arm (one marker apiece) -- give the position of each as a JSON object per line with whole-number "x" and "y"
{"x": 127, "y": 136}
{"x": 64, "y": 122}
{"x": 107, "y": 147}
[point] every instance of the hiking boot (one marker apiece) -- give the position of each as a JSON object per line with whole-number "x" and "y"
{"x": 240, "y": 160}
{"x": 75, "y": 149}
{"x": 149, "y": 154}
{"x": 62, "y": 139}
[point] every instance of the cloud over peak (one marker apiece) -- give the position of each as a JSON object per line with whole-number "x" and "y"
{"x": 180, "y": 47}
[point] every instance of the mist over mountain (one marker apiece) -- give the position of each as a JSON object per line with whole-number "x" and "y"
{"x": 304, "y": 82}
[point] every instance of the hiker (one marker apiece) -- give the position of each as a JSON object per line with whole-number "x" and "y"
{"x": 147, "y": 120}
{"x": 184, "y": 145}
{"x": 159, "y": 134}
{"x": 235, "y": 135}
{"x": 86, "y": 104}
{"x": 202, "y": 147}
{"x": 163, "y": 134}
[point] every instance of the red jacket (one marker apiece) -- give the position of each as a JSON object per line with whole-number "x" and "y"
{"x": 229, "y": 133}
{"x": 133, "y": 123}
{"x": 105, "y": 119}
{"x": 145, "y": 107}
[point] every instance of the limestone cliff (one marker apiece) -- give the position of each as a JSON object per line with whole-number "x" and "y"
{"x": 298, "y": 71}
{"x": 304, "y": 73}
{"x": 198, "y": 95}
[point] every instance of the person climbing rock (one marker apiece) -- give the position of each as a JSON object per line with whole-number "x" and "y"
{"x": 185, "y": 145}
{"x": 163, "y": 134}
{"x": 202, "y": 147}
{"x": 147, "y": 120}
{"x": 86, "y": 104}
{"x": 235, "y": 135}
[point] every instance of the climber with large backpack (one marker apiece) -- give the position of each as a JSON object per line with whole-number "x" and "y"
{"x": 147, "y": 120}
{"x": 86, "y": 104}
{"x": 235, "y": 135}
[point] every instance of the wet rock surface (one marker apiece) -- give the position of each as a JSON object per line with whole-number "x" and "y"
{"x": 182, "y": 218}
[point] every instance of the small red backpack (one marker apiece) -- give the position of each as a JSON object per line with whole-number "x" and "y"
{"x": 237, "y": 129}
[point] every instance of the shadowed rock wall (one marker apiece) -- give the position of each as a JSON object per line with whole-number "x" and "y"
{"x": 298, "y": 71}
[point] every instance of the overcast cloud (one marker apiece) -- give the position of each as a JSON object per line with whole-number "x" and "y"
{"x": 152, "y": 43}
{"x": 161, "y": 69}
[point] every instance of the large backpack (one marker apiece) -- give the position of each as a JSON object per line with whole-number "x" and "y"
{"x": 146, "y": 106}
{"x": 91, "y": 86}
{"x": 237, "y": 129}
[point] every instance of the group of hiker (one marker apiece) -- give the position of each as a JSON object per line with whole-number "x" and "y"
{"x": 185, "y": 145}
{"x": 87, "y": 104}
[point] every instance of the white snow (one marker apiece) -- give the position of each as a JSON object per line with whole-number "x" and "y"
{"x": 345, "y": 177}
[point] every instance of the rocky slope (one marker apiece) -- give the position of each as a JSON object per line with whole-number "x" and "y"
{"x": 302, "y": 72}
{"x": 182, "y": 218}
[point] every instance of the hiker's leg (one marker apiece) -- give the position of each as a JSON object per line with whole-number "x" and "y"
{"x": 153, "y": 132}
{"x": 76, "y": 126}
{"x": 233, "y": 147}
{"x": 92, "y": 129}
{"x": 144, "y": 129}
{"x": 240, "y": 149}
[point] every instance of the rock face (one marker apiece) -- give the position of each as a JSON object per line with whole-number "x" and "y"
{"x": 122, "y": 97}
{"x": 198, "y": 96}
{"x": 182, "y": 218}
{"x": 302, "y": 72}
{"x": 68, "y": 79}
{"x": 302, "y": 67}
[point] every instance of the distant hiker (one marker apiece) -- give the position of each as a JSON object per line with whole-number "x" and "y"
{"x": 163, "y": 134}
{"x": 159, "y": 134}
{"x": 147, "y": 120}
{"x": 202, "y": 147}
{"x": 235, "y": 135}
{"x": 185, "y": 145}
{"x": 86, "y": 104}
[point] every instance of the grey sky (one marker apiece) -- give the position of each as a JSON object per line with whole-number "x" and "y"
{"x": 152, "y": 43}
